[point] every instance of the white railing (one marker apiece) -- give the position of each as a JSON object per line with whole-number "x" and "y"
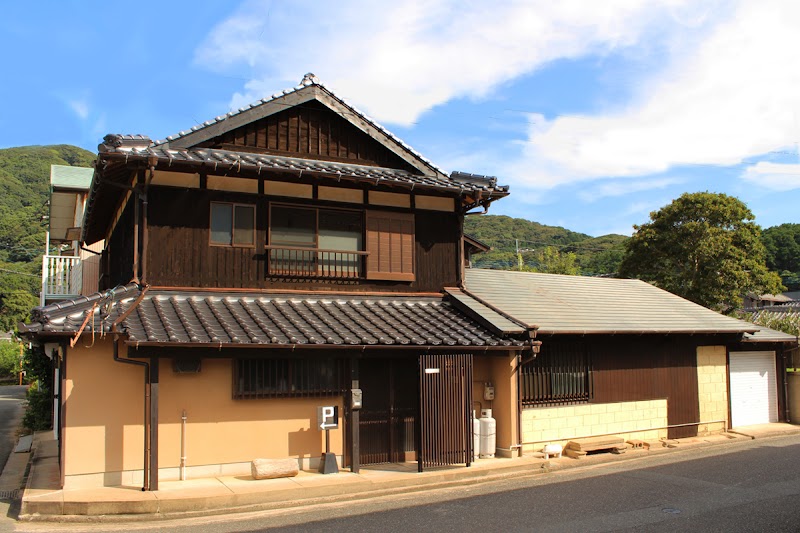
{"x": 61, "y": 276}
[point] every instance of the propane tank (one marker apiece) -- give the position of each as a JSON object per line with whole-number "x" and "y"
{"x": 488, "y": 433}
{"x": 476, "y": 436}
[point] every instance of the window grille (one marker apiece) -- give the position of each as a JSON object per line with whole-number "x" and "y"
{"x": 560, "y": 375}
{"x": 287, "y": 378}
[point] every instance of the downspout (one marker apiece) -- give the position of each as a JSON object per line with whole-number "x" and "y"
{"x": 146, "y": 365}
{"x": 145, "y": 231}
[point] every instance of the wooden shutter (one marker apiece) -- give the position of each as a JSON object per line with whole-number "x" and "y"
{"x": 390, "y": 243}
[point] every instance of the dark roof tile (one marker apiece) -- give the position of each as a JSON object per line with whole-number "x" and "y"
{"x": 197, "y": 317}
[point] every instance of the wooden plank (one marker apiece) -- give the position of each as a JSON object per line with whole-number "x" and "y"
{"x": 596, "y": 443}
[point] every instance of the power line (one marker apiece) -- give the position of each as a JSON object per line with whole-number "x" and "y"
{"x": 18, "y": 272}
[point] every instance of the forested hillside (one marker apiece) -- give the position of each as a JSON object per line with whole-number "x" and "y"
{"x": 539, "y": 244}
{"x": 24, "y": 187}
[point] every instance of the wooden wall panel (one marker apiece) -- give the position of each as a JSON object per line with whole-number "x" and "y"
{"x": 311, "y": 131}
{"x": 646, "y": 368}
{"x": 180, "y": 254}
{"x": 120, "y": 249}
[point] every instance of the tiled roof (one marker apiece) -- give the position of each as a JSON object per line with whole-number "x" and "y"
{"x": 309, "y": 80}
{"x": 218, "y": 319}
{"x": 225, "y": 160}
{"x": 582, "y": 305}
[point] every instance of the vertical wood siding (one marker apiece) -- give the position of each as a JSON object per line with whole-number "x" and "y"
{"x": 648, "y": 368}
{"x": 312, "y": 131}
{"x": 120, "y": 246}
{"x": 179, "y": 253}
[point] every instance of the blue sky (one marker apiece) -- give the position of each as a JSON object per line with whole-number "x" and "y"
{"x": 595, "y": 113}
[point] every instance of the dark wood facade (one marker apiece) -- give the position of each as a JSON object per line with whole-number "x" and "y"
{"x": 179, "y": 254}
{"x": 627, "y": 369}
{"x": 310, "y": 131}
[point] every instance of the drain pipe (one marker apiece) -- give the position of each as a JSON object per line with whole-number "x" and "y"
{"x": 183, "y": 445}
{"x": 146, "y": 366}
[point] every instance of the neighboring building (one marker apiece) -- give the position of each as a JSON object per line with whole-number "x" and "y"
{"x": 764, "y": 300}
{"x": 74, "y": 271}
{"x": 620, "y": 356}
{"x": 295, "y": 255}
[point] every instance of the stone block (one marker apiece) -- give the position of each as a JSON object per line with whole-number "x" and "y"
{"x": 613, "y": 407}
{"x": 598, "y": 409}
{"x": 273, "y": 468}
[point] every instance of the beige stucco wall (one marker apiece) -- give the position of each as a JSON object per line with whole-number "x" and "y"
{"x": 104, "y": 435}
{"x": 499, "y": 371}
{"x": 557, "y": 425}
{"x": 712, "y": 385}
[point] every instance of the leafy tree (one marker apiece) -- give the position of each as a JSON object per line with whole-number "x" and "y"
{"x": 9, "y": 358}
{"x": 704, "y": 247}
{"x": 551, "y": 261}
{"x": 783, "y": 252}
{"x": 39, "y": 370}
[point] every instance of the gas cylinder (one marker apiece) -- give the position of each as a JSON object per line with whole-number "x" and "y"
{"x": 488, "y": 431}
{"x": 476, "y": 436}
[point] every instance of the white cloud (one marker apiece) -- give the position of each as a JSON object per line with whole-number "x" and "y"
{"x": 776, "y": 176}
{"x": 623, "y": 187}
{"x": 728, "y": 97}
{"x": 80, "y": 107}
{"x": 396, "y": 60}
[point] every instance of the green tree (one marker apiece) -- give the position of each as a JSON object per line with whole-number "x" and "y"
{"x": 704, "y": 247}
{"x": 550, "y": 261}
{"x": 9, "y": 358}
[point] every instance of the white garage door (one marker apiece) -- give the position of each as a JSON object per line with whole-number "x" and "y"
{"x": 754, "y": 388}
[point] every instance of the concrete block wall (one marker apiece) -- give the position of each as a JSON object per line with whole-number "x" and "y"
{"x": 712, "y": 388}
{"x": 558, "y": 425}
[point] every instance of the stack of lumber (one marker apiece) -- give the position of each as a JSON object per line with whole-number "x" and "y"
{"x": 580, "y": 447}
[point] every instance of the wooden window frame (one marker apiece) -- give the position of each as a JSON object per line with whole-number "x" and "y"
{"x": 357, "y": 273}
{"x": 232, "y": 243}
{"x": 288, "y": 377}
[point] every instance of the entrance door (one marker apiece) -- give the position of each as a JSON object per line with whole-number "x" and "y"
{"x": 446, "y": 403}
{"x": 389, "y": 412}
{"x": 754, "y": 388}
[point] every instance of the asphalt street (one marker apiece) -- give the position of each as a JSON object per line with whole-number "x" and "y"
{"x": 11, "y": 400}
{"x": 739, "y": 486}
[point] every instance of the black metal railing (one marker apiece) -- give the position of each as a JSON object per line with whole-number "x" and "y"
{"x": 297, "y": 378}
{"x": 301, "y": 262}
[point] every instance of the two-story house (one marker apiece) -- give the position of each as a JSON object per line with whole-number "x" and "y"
{"x": 286, "y": 256}
{"x": 294, "y": 255}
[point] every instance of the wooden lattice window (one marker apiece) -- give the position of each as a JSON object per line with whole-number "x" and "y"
{"x": 560, "y": 375}
{"x": 289, "y": 377}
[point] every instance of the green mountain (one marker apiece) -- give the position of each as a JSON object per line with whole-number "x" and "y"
{"x": 593, "y": 255}
{"x": 24, "y": 191}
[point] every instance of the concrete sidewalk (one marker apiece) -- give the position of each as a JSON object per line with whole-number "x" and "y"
{"x": 44, "y": 501}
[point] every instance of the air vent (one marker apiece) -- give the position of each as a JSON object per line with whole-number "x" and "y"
{"x": 186, "y": 365}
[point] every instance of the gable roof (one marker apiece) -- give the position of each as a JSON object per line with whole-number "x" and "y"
{"x": 582, "y": 305}
{"x": 310, "y": 88}
{"x": 180, "y": 153}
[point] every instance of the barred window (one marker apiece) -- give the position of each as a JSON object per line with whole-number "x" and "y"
{"x": 560, "y": 375}
{"x": 285, "y": 378}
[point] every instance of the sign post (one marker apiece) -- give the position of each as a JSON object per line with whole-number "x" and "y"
{"x": 328, "y": 418}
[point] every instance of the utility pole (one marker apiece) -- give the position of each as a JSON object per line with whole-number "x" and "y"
{"x": 21, "y": 348}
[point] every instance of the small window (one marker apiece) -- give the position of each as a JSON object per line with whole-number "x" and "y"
{"x": 296, "y": 377}
{"x": 560, "y": 375}
{"x": 233, "y": 224}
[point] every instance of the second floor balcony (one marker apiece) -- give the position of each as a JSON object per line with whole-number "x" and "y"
{"x": 66, "y": 276}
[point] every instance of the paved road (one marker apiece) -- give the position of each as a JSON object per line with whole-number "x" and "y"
{"x": 11, "y": 400}
{"x": 741, "y": 486}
